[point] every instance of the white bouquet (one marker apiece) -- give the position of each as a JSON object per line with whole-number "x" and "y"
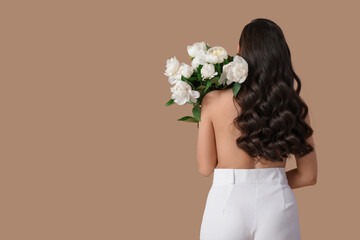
{"x": 211, "y": 69}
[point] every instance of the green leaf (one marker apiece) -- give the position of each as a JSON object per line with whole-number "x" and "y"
{"x": 198, "y": 72}
{"x": 236, "y": 88}
{"x": 215, "y": 79}
{"x": 208, "y": 84}
{"x": 187, "y": 119}
{"x": 184, "y": 78}
{"x": 207, "y": 47}
{"x": 200, "y": 87}
{"x": 218, "y": 68}
{"x": 226, "y": 61}
{"x": 170, "y": 102}
{"x": 194, "y": 78}
{"x": 196, "y": 112}
{"x": 199, "y": 78}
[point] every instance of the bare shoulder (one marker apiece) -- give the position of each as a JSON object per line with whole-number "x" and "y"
{"x": 215, "y": 101}
{"x": 215, "y": 97}
{"x": 208, "y": 104}
{"x": 210, "y": 98}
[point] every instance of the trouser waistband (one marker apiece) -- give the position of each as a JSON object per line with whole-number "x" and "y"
{"x": 254, "y": 175}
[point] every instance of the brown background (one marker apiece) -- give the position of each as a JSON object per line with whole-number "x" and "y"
{"x": 88, "y": 149}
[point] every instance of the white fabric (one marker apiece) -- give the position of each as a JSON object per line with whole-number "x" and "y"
{"x": 250, "y": 204}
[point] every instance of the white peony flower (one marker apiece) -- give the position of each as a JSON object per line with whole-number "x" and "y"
{"x": 216, "y": 55}
{"x": 196, "y": 49}
{"x": 172, "y": 66}
{"x": 235, "y": 71}
{"x": 173, "y": 79}
{"x": 199, "y": 59}
{"x": 208, "y": 71}
{"x": 184, "y": 70}
{"x": 224, "y": 72}
{"x": 182, "y": 93}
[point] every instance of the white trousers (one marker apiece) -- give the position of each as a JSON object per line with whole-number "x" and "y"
{"x": 250, "y": 204}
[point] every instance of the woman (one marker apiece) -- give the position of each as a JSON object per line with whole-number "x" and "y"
{"x": 246, "y": 140}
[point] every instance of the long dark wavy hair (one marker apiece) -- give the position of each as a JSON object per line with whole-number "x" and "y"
{"x": 272, "y": 118}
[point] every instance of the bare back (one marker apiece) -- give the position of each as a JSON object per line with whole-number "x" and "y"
{"x": 228, "y": 153}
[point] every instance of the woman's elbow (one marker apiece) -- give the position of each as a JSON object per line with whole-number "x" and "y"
{"x": 206, "y": 165}
{"x": 309, "y": 180}
{"x": 205, "y": 172}
{"x": 313, "y": 180}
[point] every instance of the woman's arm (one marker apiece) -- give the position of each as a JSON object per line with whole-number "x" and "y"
{"x": 206, "y": 146}
{"x": 306, "y": 172}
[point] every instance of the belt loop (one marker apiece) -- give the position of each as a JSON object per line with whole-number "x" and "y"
{"x": 279, "y": 176}
{"x": 233, "y": 176}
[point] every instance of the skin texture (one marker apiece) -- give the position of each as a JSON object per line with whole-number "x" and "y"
{"x": 216, "y": 146}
